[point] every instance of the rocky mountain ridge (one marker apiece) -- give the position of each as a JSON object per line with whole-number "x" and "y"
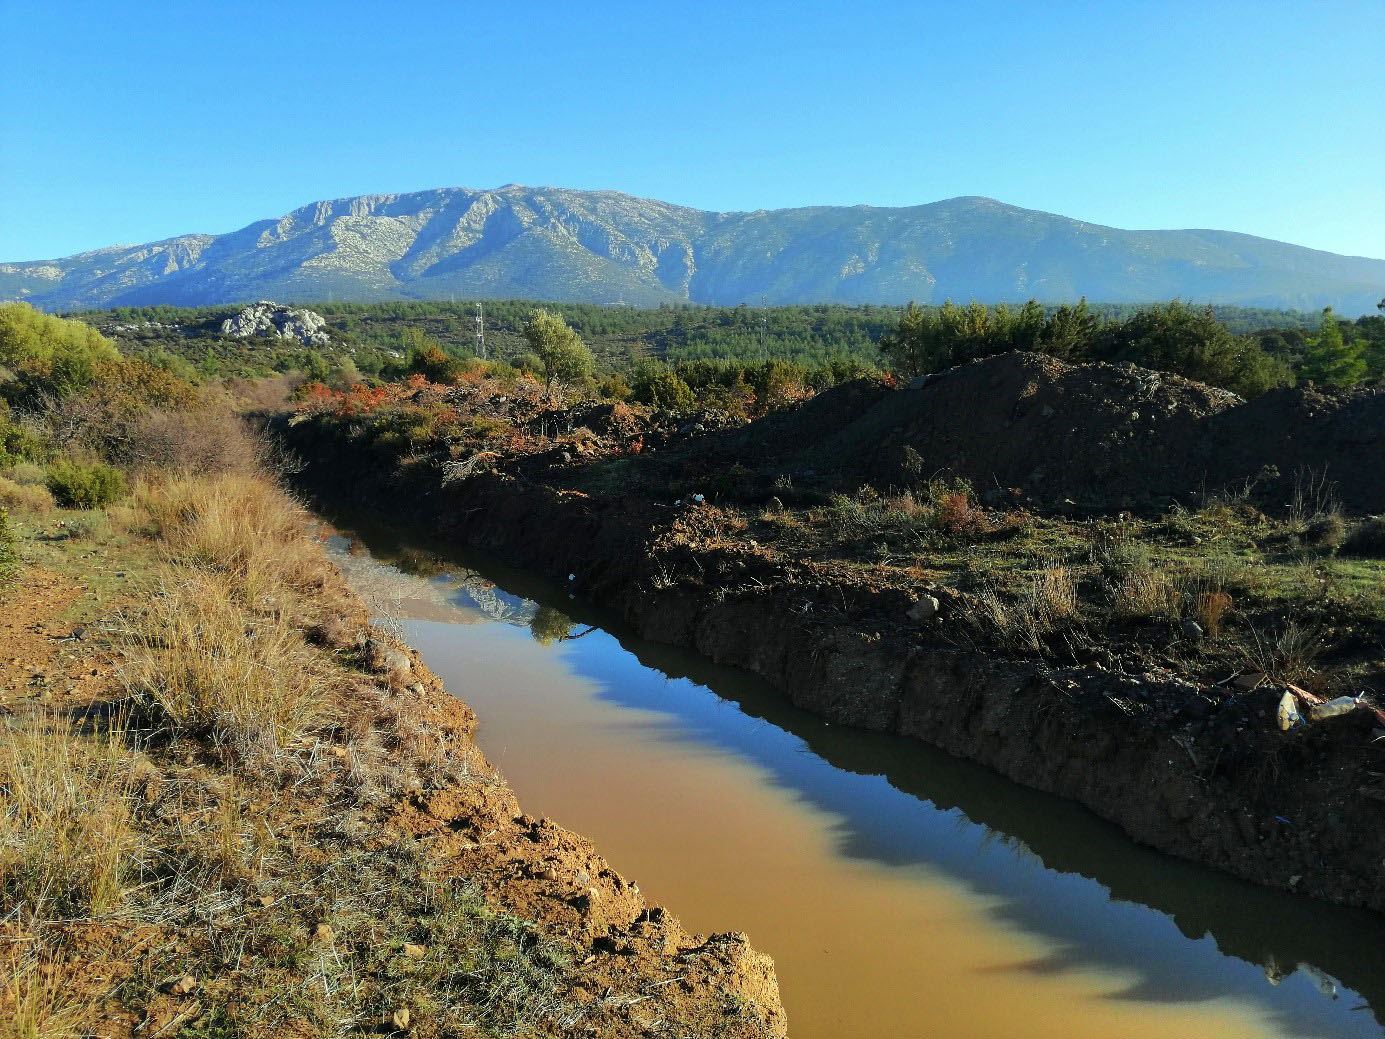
{"x": 604, "y": 246}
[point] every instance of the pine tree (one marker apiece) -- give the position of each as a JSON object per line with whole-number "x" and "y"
{"x": 1329, "y": 359}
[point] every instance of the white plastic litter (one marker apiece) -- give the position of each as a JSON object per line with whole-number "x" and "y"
{"x": 1341, "y": 705}
{"x": 1289, "y": 718}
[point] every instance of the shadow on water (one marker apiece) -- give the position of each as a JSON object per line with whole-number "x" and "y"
{"x": 1185, "y": 933}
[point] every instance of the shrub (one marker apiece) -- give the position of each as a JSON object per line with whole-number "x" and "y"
{"x": 84, "y": 485}
{"x": 656, "y": 384}
{"x": 9, "y": 554}
{"x": 1327, "y": 531}
{"x": 1286, "y": 654}
{"x": 208, "y": 439}
{"x": 24, "y": 496}
{"x": 28, "y": 474}
{"x": 957, "y": 515}
{"x": 1367, "y": 538}
{"x": 614, "y": 387}
{"x": 485, "y": 427}
{"x": 19, "y": 444}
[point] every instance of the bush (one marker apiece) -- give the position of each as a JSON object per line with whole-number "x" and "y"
{"x": 656, "y": 384}
{"x": 9, "y": 554}
{"x": 84, "y": 485}
{"x": 19, "y": 445}
{"x": 1367, "y": 539}
{"x": 24, "y": 496}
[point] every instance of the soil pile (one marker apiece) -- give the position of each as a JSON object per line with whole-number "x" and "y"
{"x": 1029, "y": 426}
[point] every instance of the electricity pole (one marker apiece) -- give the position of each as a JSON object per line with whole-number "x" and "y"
{"x": 480, "y": 333}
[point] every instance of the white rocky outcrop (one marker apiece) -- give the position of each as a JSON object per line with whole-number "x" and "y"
{"x": 266, "y": 318}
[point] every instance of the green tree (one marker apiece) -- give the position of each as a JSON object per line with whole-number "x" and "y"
{"x": 549, "y": 625}
{"x": 912, "y": 346}
{"x": 1329, "y": 359}
{"x": 1191, "y": 342}
{"x": 656, "y": 384}
{"x": 46, "y": 355}
{"x": 559, "y": 349}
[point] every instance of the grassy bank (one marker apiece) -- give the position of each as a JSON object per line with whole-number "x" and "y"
{"x": 229, "y": 806}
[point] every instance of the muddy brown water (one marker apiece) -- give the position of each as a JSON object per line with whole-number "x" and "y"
{"x": 901, "y": 892}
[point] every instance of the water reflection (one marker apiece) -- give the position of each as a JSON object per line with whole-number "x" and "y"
{"x": 1180, "y": 934}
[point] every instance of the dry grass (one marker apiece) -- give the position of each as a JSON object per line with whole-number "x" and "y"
{"x": 34, "y": 1004}
{"x": 241, "y": 526}
{"x": 25, "y": 497}
{"x": 216, "y": 668}
{"x": 1210, "y": 610}
{"x": 1047, "y": 601}
{"x": 1144, "y": 592}
{"x": 66, "y": 839}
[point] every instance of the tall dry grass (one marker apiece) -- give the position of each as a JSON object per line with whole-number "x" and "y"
{"x": 221, "y": 650}
{"x": 35, "y": 1004}
{"x": 239, "y": 525}
{"x": 1046, "y": 602}
{"x": 67, "y": 842}
{"x": 218, "y": 668}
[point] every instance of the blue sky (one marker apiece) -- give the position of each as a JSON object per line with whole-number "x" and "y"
{"x": 127, "y": 122}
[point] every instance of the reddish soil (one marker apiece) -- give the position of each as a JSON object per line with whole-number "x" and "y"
{"x": 642, "y": 973}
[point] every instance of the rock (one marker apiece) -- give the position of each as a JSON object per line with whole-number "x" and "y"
{"x": 267, "y": 318}
{"x": 918, "y": 382}
{"x": 1192, "y": 629}
{"x": 183, "y": 985}
{"x": 926, "y": 607}
{"x": 400, "y": 1018}
{"x": 266, "y": 900}
{"x": 414, "y": 952}
{"x": 1249, "y": 681}
{"x": 385, "y": 659}
{"x": 775, "y": 505}
{"x": 323, "y": 933}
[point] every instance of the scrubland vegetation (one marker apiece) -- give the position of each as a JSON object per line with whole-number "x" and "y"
{"x": 715, "y": 349}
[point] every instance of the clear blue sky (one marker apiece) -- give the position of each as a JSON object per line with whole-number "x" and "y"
{"x": 127, "y": 122}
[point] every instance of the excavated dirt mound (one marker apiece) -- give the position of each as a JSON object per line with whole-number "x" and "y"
{"x": 1096, "y": 434}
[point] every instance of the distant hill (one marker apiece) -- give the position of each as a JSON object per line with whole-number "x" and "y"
{"x": 606, "y": 247}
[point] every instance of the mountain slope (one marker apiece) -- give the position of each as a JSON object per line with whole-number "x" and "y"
{"x": 603, "y": 246}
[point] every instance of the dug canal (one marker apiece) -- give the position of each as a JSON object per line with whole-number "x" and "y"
{"x": 902, "y": 893}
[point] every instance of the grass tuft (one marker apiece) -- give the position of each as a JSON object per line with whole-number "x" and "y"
{"x": 216, "y": 668}
{"x": 66, "y": 838}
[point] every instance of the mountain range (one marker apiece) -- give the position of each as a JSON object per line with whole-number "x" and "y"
{"x": 603, "y": 246}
